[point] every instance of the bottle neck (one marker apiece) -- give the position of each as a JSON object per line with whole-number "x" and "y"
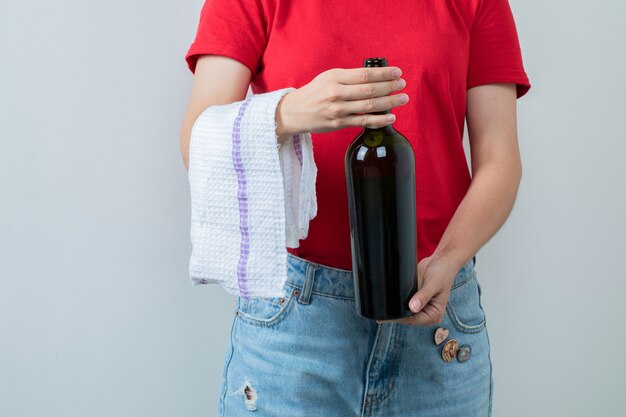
{"x": 379, "y": 62}
{"x": 388, "y": 127}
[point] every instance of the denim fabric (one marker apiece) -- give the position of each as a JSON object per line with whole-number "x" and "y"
{"x": 310, "y": 354}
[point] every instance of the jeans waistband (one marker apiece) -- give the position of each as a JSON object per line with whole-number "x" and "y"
{"x": 312, "y": 277}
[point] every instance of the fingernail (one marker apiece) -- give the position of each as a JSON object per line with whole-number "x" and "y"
{"x": 390, "y": 117}
{"x": 401, "y": 83}
{"x": 395, "y": 73}
{"x": 414, "y": 305}
{"x": 404, "y": 98}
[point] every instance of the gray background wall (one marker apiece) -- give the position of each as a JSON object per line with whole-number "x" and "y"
{"x": 97, "y": 313}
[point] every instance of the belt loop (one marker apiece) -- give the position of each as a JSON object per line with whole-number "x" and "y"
{"x": 305, "y": 294}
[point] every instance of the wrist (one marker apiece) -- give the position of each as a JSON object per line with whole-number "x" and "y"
{"x": 283, "y": 131}
{"x": 454, "y": 256}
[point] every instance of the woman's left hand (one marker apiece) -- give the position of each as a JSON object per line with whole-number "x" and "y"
{"x": 435, "y": 276}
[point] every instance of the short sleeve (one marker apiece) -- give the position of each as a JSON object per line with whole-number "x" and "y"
{"x": 495, "y": 53}
{"x": 232, "y": 28}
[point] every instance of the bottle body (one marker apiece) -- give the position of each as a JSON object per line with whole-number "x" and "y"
{"x": 380, "y": 180}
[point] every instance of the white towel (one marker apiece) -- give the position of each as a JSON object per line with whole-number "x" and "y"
{"x": 250, "y": 196}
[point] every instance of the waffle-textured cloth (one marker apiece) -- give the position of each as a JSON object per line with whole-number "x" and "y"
{"x": 251, "y": 197}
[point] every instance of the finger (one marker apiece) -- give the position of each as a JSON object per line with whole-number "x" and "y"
{"x": 373, "y": 121}
{"x": 430, "y": 306}
{"x": 429, "y": 315}
{"x": 422, "y": 297}
{"x": 371, "y": 105}
{"x": 365, "y": 75}
{"x": 369, "y": 90}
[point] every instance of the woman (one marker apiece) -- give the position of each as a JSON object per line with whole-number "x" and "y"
{"x": 450, "y": 62}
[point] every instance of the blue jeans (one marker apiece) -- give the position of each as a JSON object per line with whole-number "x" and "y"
{"x": 310, "y": 354}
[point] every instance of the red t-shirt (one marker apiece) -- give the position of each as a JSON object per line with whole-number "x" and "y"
{"x": 443, "y": 49}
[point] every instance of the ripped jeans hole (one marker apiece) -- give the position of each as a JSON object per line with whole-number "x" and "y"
{"x": 250, "y": 395}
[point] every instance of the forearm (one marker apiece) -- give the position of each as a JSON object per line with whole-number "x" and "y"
{"x": 484, "y": 209}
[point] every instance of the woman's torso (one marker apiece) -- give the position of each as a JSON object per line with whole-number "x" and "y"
{"x": 429, "y": 41}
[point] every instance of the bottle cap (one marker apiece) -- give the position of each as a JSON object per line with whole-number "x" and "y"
{"x": 375, "y": 62}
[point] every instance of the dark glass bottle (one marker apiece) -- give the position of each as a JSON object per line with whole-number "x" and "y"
{"x": 380, "y": 178}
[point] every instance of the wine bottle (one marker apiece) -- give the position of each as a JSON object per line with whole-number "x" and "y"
{"x": 380, "y": 178}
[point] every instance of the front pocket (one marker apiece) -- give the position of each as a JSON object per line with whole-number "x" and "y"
{"x": 464, "y": 307}
{"x": 265, "y": 311}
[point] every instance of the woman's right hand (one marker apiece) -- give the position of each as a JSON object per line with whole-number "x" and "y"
{"x": 340, "y": 98}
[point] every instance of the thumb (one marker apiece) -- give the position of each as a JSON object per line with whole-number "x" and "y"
{"x": 421, "y": 298}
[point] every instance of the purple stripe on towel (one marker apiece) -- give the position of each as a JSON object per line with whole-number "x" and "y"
{"x": 298, "y": 147}
{"x": 242, "y": 196}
